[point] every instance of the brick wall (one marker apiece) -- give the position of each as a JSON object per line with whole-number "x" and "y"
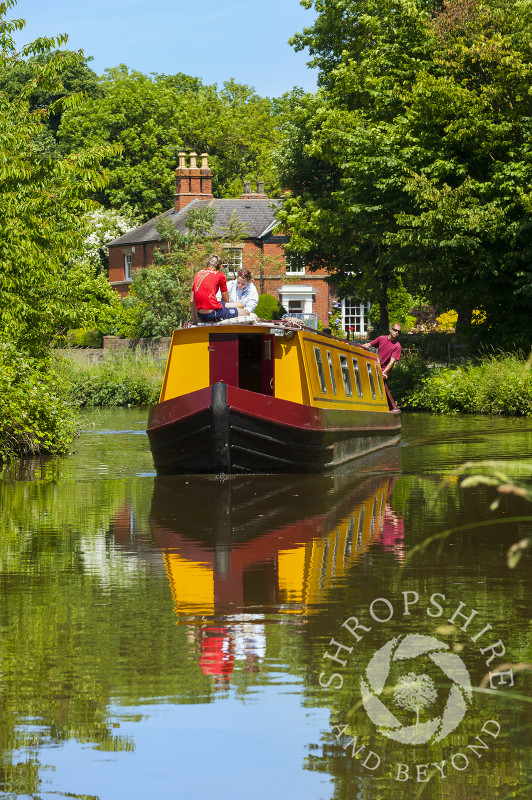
{"x": 143, "y": 256}
{"x": 155, "y": 347}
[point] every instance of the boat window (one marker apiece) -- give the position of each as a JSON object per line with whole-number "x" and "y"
{"x": 381, "y": 390}
{"x": 360, "y": 530}
{"x": 371, "y": 381}
{"x": 321, "y": 373}
{"x": 357, "y": 378}
{"x": 346, "y": 376}
{"x": 331, "y": 370}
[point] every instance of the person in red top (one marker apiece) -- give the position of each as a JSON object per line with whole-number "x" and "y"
{"x": 204, "y": 304}
{"x": 388, "y": 348}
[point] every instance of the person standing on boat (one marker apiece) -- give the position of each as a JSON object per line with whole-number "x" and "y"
{"x": 204, "y": 305}
{"x": 244, "y": 290}
{"x": 388, "y": 348}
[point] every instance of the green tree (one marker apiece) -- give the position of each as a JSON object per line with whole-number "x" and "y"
{"x": 154, "y": 117}
{"x": 75, "y": 77}
{"x": 346, "y": 181}
{"x": 41, "y": 199}
{"x": 469, "y": 239}
{"x": 413, "y": 158}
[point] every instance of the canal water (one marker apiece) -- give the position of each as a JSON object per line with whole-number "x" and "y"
{"x": 356, "y": 635}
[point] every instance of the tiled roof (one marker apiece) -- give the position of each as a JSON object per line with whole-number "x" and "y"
{"x": 256, "y": 215}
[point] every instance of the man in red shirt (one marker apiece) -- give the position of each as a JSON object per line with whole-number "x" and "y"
{"x": 388, "y": 348}
{"x": 204, "y": 305}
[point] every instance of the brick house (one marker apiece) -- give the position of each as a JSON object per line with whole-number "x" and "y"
{"x": 261, "y": 251}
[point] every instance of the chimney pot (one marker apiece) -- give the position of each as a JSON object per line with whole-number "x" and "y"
{"x": 247, "y": 187}
{"x": 260, "y": 187}
{"x": 192, "y": 184}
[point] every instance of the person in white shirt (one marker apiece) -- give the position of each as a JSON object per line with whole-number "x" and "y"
{"x": 244, "y": 290}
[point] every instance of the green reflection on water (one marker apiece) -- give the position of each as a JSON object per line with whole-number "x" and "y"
{"x": 94, "y": 556}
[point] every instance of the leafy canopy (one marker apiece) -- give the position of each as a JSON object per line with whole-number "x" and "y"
{"x": 412, "y": 161}
{"x": 154, "y": 117}
{"x": 42, "y": 196}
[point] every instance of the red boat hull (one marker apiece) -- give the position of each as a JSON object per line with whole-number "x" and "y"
{"x": 225, "y": 429}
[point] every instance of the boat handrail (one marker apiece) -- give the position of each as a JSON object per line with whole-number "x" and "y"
{"x": 304, "y": 316}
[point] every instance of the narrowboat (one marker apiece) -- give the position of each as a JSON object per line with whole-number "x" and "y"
{"x": 273, "y": 397}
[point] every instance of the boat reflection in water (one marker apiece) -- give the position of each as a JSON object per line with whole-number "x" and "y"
{"x": 241, "y": 548}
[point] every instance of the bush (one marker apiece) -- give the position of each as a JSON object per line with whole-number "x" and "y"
{"x": 269, "y": 307}
{"x": 497, "y": 385}
{"x": 121, "y": 379}
{"x": 36, "y": 416}
{"x": 84, "y": 337}
{"x": 406, "y": 376}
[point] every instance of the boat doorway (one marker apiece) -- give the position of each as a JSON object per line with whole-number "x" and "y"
{"x": 245, "y": 360}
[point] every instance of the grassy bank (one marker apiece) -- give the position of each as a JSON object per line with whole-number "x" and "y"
{"x": 121, "y": 379}
{"x": 497, "y": 384}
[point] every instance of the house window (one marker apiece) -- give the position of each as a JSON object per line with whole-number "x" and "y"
{"x": 295, "y": 264}
{"x": 371, "y": 381}
{"x": 357, "y": 377}
{"x": 297, "y": 298}
{"x": 127, "y": 266}
{"x": 346, "y": 376}
{"x": 232, "y": 261}
{"x": 331, "y": 370}
{"x": 295, "y": 307}
{"x": 355, "y": 316}
{"x": 321, "y": 374}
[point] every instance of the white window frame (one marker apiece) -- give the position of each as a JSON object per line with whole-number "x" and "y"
{"x": 371, "y": 381}
{"x": 331, "y": 370}
{"x": 358, "y": 380}
{"x": 358, "y": 312}
{"x": 295, "y": 264}
{"x": 232, "y": 261}
{"x": 128, "y": 266}
{"x": 303, "y": 293}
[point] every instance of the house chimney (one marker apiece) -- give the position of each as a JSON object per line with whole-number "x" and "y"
{"x": 249, "y": 195}
{"x": 192, "y": 183}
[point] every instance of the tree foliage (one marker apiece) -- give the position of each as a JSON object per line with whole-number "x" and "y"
{"x": 42, "y": 196}
{"x": 413, "y": 158}
{"x": 74, "y": 78}
{"x": 42, "y": 200}
{"x": 35, "y": 413}
{"x": 155, "y": 117}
